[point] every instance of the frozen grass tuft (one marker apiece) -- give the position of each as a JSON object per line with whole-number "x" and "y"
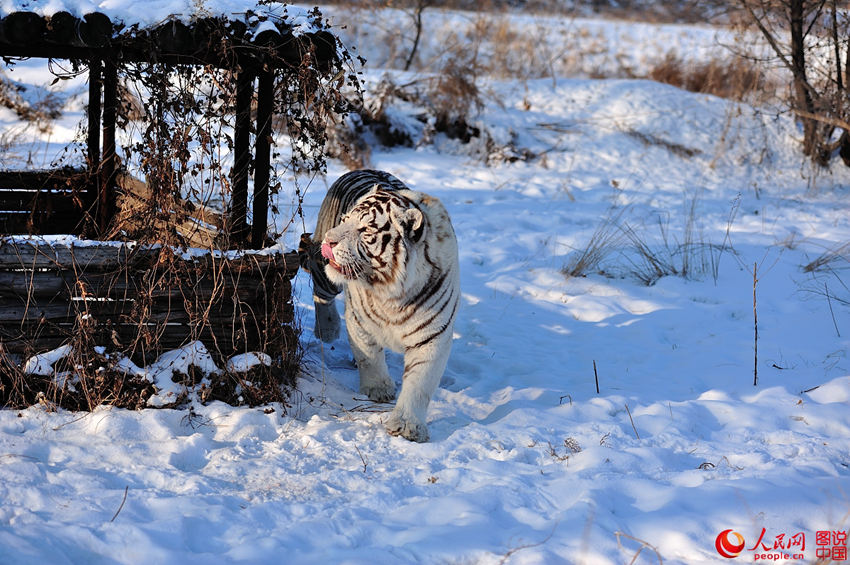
{"x": 649, "y": 257}
{"x": 604, "y": 240}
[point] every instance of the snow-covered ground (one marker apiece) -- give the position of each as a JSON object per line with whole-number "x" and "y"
{"x": 527, "y": 462}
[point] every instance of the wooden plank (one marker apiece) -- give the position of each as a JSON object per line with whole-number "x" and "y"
{"x": 32, "y": 283}
{"x": 19, "y": 254}
{"x": 190, "y": 307}
{"x": 37, "y": 202}
{"x": 65, "y": 179}
{"x": 37, "y": 339}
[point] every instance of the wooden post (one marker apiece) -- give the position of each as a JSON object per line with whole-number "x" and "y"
{"x": 95, "y": 83}
{"x": 241, "y": 157}
{"x": 262, "y": 158}
{"x": 106, "y": 196}
{"x": 94, "y": 113}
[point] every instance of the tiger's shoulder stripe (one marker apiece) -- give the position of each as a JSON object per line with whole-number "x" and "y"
{"x": 440, "y": 331}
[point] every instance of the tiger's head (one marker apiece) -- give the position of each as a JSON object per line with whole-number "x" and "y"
{"x": 374, "y": 241}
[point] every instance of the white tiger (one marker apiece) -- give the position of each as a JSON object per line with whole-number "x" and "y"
{"x": 394, "y": 252}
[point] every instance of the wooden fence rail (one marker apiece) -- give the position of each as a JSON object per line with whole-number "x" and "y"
{"x": 143, "y": 300}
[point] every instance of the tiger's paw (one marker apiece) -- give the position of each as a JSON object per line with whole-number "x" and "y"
{"x": 407, "y": 428}
{"x": 379, "y": 392}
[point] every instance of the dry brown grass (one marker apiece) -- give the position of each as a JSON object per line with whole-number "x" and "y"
{"x": 735, "y": 79}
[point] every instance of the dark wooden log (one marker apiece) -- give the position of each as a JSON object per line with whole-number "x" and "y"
{"x": 268, "y": 36}
{"x": 66, "y": 179}
{"x": 38, "y": 286}
{"x": 15, "y": 310}
{"x": 150, "y": 340}
{"x": 241, "y": 158}
{"x": 262, "y": 158}
{"x": 42, "y": 222}
{"x": 62, "y": 29}
{"x": 325, "y": 53}
{"x": 95, "y": 30}
{"x": 23, "y": 28}
{"x": 35, "y": 284}
{"x": 17, "y": 254}
{"x": 43, "y": 201}
{"x": 174, "y": 37}
{"x": 292, "y": 50}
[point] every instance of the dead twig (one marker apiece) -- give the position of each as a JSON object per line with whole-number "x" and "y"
{"x": 123, "y": 500}
{"x": 832, "y": 313}
{"x": 642, "y": 543}
{"x": 596, "y": 376}
{"x": 529, "y": 545}
{"x": 637, "y": 435}
{"x": 362, "y": 458}
{"x": 755, "y": 329}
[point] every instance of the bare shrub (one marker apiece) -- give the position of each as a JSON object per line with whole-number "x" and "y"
{"x": 807, "y": 41}
{"x": 410, "y": 114}
{"x": 735, "y": 79}
{"x": 39, "y": 110}
{"x": 455, "y": 97}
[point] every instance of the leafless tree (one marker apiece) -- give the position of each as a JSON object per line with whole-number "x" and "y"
{"x": 417, "y": 21}
{"x": 808, "y": 37}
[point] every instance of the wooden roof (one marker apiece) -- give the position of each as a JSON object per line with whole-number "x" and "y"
{"x": 222, "y": 41}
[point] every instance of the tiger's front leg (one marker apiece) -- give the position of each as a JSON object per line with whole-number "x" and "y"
{"x": 423, "y": 368}
{"x": 375, "y": 381}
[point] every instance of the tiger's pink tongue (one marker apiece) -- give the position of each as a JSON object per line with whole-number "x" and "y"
{"x": 327, "y": 251}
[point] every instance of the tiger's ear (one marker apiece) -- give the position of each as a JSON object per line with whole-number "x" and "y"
{"x": 410, "y": 222}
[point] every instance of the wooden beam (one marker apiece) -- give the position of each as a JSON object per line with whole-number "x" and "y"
{"x": 262, "y": 158}
{"x": 241, "y": 158}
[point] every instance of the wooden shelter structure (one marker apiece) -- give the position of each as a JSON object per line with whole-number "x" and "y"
{"x": 146, "y": 298}
{"x": 253, "y": 47}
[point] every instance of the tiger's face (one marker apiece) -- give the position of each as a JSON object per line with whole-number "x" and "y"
{"x": 372, "y": 242}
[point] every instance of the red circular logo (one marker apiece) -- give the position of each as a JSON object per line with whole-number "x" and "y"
{"x": 729, "y": 544}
